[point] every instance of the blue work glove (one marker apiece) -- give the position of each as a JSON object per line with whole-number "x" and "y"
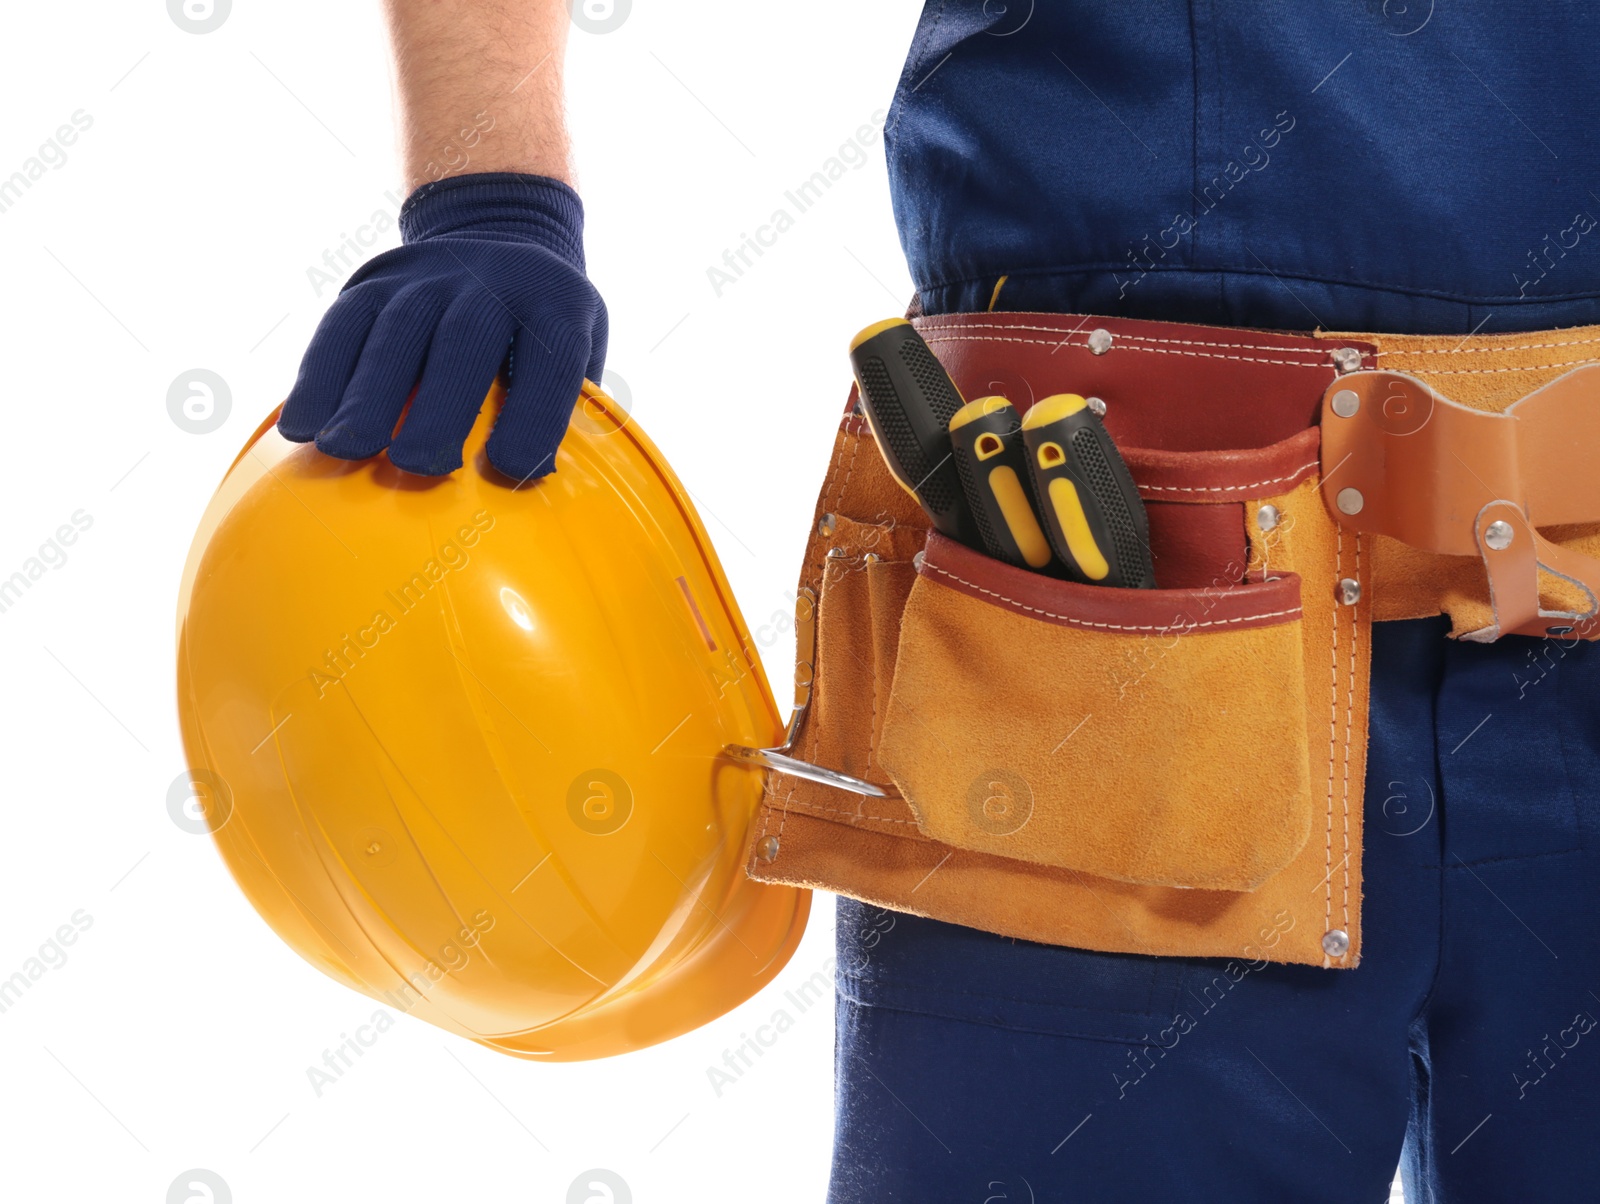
{"x": 491, "y": 263}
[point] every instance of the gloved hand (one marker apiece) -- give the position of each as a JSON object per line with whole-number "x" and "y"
{"x": 491, "y": 262}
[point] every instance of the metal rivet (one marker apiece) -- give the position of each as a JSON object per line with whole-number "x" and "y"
{"x": 916, "y": 561}
{"x": 825, "y": 525}
{"x": 837, "y": 553}
{"x": 1100, "y": 340}
{"x": 1347, "y": 359}
{"x": 1336, "y": 942}
{"x": 1346, "y": 402}
{"x": 1349, "y": 591}
{"x": 767, "y": 850}
{"x": 871, "y": 558}
{"x": 1097, "y": 407}
{"x": 1498, "y": 535}
{"x": 1268, "y": 517}
{"x": 1350, "y": 501}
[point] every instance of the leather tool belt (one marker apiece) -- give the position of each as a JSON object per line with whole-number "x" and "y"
{"x": 1176, "y": 771}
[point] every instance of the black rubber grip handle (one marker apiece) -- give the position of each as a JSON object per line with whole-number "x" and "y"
{"x": 909, "y": 399}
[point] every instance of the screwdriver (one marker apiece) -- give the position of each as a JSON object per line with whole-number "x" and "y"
{"x": 909, "y": 401}
{"x": 986, "y": 436}
{"x": 1091, "y": 508}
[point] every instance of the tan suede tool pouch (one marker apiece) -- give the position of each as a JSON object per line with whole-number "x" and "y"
{"x": 1071, "y": 781}
{"x": 1114, "y": 731}
{"x": 1174, "y": 771}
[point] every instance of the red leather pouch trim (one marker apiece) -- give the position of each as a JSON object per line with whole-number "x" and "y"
{"x": 1166, "y": 385}
{"x": 1097, "y": 607}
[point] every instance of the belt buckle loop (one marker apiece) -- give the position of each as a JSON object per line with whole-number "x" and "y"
{"x": 1402, "y": 460}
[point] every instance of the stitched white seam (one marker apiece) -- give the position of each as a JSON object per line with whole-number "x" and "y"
{"x": 1349, "y": 710}
{"x": 766, "y": 819}
{"x": 783, "y": 816}
{"x": 827, "y": 487}
{"x": 850, "y": 471}
{"x": 1333, "y": 733}
{"x": 1492, "y": 371}
{"x": 810, "y": 808}
{"x": 1488, "y": 350}
{"x": 1320, "y": 365}
{"x": 1070, "y": 621}
{"x": 872, "y": 650}
{"x": 1321, "y": 353}
{"x": 1226, "y": 488}
{"x": 833, "y": 475}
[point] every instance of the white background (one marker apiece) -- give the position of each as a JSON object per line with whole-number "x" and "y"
{"x": 177, "y": 235}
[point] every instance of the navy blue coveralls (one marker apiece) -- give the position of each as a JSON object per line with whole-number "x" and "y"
{"x": 1351, "y": 165}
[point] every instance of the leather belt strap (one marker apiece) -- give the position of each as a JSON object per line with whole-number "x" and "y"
{"x": 1402, "y": 460}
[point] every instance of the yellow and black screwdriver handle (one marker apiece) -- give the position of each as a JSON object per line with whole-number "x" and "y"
{"x": 909, "y": 400}
{"x": 970, "y": 466}
{"x": 986, "y": 438}
{"x": 1091, "y": 508}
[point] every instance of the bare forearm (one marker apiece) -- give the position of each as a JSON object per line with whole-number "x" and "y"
{"x": 480, "y": 86}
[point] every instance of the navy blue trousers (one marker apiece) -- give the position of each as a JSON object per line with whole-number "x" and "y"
{"x": 976, "y": 1068}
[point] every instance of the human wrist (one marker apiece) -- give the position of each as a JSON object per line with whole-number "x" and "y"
{"x": 509, "y": 205}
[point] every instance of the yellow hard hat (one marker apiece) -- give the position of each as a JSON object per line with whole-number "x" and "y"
{"x": 459, "y": 740}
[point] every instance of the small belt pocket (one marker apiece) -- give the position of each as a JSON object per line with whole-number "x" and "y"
{"x": 866, "y": 577}
{"x": 1150, "y": 736}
